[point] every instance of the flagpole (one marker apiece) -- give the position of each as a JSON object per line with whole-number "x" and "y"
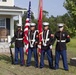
{"x": 40, "y": 15}
{"x": 30, "y": 10}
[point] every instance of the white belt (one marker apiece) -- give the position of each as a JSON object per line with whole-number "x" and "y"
{"x": 19, "y": 38}
{"x": 61, "y": 40}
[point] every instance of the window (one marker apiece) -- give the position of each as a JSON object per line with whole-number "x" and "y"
{"x": 4, "y": 0}
{"x": 2, "y": 23}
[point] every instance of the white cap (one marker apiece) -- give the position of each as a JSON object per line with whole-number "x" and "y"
{"x": 19, "y": 25}
{"x": 32, "y": 24}
{"x": 45, "y": 23}
{"x": 60, "y": 24}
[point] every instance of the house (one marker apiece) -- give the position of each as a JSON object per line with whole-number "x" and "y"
{"x": 7, "y": 12}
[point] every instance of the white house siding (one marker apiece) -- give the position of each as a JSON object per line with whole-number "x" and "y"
{"x": 8, "y": 3}
{"x": 8, "y": 11}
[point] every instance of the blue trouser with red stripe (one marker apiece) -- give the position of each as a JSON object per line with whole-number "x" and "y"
{"x": 64, "y": 59}
{"x": 34, "y": 50}
{"x": 49, "y": 56}
{"x": 21, "y": 51}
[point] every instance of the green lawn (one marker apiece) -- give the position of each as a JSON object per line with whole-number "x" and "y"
{"x": 7, "y": 69}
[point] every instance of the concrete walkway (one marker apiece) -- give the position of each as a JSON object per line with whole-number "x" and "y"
{"x": 4, "y": 48}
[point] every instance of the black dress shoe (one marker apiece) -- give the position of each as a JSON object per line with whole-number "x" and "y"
{"x": 15, "y": 63}
{"x": 27, "y": 65}
{"x": 36, "y": 66}
{"x": 41, "y": 67}
{"x": 66, "y": 70}
{"x": 56, "y": 68}
{"x": 52, "y": 67}
{"x": 21, "y": 64}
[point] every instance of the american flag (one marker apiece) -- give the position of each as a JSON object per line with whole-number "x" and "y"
{"x": 29, "y": 12}
{"x": 26, "y": 27}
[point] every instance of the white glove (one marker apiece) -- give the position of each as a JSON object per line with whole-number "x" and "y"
{"x": 9, "y": 44}
{"x": 39, "y": 46}
{"x": 51, "y": 47}
{"x": 45, "y": 45}
{"x": 24, "y": 46}
{"x": 31, "y": 45}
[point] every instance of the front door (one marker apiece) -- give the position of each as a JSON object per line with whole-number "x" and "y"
{"x": 3, "y": 30}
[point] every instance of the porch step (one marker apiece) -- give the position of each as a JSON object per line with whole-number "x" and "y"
{"x": 4, "y": 47}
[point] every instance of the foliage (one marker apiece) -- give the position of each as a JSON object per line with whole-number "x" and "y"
{"x": 25, "y": 16}
{"x": 70, "y": 26}
{"x": 12, "y": 46}
{"x": 70, "y": 5}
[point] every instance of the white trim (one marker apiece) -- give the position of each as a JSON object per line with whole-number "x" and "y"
{"x": 11, "y": 27}
{"x": 10, "y": 13}
{"x": 32, "y": 41}
{"x": 13, "y": 10}
{"x": 5, "y": 22}
{"x": 7, "y": 3}
{"x": 46, "y": 39}
{"x": 20, "y": 20}
{"x": 61, "y": 40}
{"x": 9, "y": 38}
{"x": 19, "y": 38}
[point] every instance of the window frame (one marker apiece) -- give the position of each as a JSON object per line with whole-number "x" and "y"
{"x": 4, "y": 0}
{"x": 4, "y": 23}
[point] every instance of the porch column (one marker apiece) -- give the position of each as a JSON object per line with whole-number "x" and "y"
{"x": 20, "y": 19}
{"x": 11, "y": 27}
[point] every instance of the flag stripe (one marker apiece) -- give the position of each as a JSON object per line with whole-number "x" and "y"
{"x": 26, "y": 27}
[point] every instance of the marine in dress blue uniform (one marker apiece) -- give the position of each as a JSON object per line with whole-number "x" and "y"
{"x": 46, "y": 47}
{"x": 18, "y": 39}
{"x": 62, "y": 38}
{"x": 33, "y": 41}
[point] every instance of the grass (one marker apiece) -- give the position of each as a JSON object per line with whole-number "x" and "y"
{"x": 72, "y": 43}
{"x": 6, "y": 68}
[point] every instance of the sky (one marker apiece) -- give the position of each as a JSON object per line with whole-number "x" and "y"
{"x": 54, "y": 7}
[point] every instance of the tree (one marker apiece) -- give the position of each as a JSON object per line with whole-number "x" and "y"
{"x": 45, "y": 15}
{"x": 53, "y": 23}
{"x": 70, "y": 5}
